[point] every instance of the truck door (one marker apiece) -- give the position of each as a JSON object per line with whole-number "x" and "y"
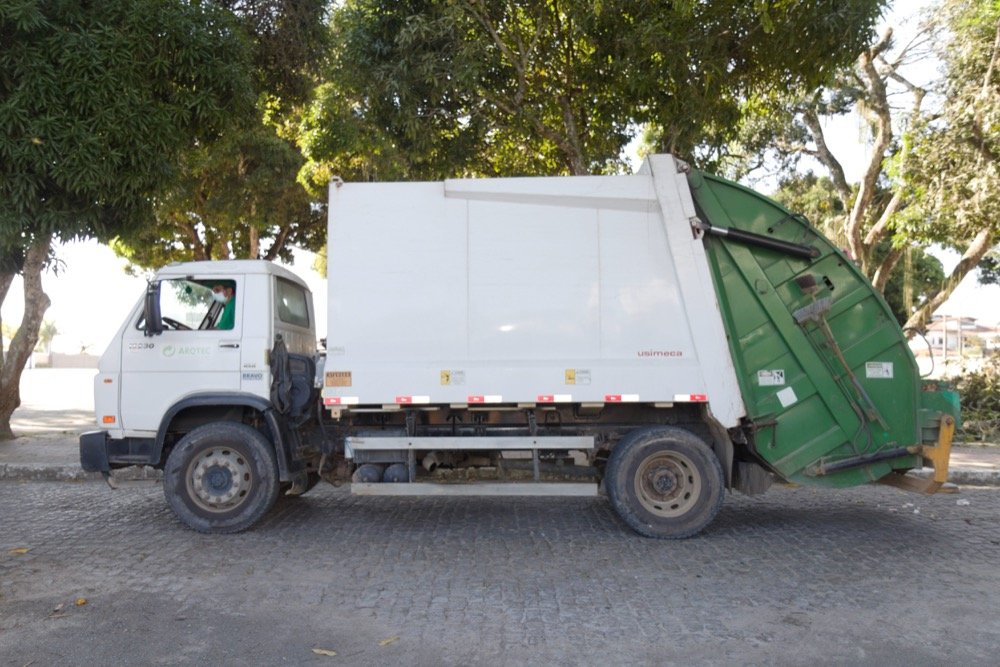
{"x": 197, "y": 352}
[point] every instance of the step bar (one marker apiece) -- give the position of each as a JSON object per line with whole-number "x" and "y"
{"x": 494, "y": 489}
{"x": 452, "y": 443}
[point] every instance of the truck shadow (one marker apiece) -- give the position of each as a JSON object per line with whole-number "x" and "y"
{"x": 812, "y": 517}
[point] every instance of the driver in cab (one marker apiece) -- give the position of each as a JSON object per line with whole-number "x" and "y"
{"x": 226, "y": 295}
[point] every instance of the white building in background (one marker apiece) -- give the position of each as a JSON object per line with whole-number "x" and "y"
{"x": 949, "y": 335}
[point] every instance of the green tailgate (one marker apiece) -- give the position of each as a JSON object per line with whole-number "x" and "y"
{"x": 814, "y": 421}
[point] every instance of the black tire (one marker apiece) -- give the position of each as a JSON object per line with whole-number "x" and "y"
{"x": 221, "y": 478}
{"x": 664, "y": 482}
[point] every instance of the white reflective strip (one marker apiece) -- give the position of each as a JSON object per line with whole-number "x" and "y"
{"x": 555, "y": 398}
{"x": 341, "y": 400}
{"x": 412, "y": 400}
{"x": 488, "y": 398}
{"x": 621, "y": 398}
{"x": 690, "y": 398}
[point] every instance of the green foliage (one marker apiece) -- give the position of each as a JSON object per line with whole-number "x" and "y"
{"x": 238, "y": 196}
{"x": 980, "y": 392}
{"x": 434, "y": 88}
{"x": 814, "y": 197}
{"x": 989, "y": 269}
{"x": 957, "y": 151}
{"x": 912, "y": 283}
{"x": 694, "y": 70}
{"x": 933, "y": 175}
{"x": 237, "y": 191}
{"x": 98, "y": 100}
{"x": 288, "y": 41}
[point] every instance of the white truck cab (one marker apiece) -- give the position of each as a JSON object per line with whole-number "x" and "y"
{"x": 142, "y": 374}
{"x": 197, "y": 348}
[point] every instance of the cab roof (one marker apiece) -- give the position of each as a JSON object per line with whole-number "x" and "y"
{"x": 228, "y": 267}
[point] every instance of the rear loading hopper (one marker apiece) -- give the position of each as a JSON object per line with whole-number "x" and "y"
{"x": 832, "y": 392}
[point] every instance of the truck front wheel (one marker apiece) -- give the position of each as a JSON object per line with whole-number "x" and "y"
{"x": 664, "y": 482}
{"x": 221, "y": 478}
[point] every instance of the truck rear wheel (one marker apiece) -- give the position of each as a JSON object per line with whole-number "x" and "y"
{"x": 664, "y": 482}
{"x": 221, "y": 478}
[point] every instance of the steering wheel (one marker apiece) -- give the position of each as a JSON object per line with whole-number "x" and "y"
{"x": 174, "y": 324}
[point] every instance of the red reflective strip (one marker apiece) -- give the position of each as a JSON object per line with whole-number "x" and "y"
{"x": 699, "y": 398}
{"x": 546, "y": 398}
{"x": 404, "y": 399}
{"x": 613, "y": 398}
{"x": 477, "y": 399}
{"x": 340, "y": 400}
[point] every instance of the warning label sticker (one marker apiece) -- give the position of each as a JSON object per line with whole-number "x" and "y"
{"x": 452, "y": 378}
{"x": 338, "y": 379}
{"x": 577, "y": 376}
{"x": 771, "y": 378}
{"x": 878, "y": 370}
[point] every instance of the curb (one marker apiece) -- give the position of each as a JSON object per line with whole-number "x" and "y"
{"x": 967, "y": 477}
{"x": 33, "y": 472}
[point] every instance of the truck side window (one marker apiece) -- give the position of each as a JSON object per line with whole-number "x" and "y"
{"x": 188, "y": 305}
{"x": 293, "y": 306}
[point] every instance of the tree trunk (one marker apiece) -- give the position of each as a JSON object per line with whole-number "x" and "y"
{"x": 5, "y": 280}
{"x": 36, "y": 302}
{"x": 973, "y": 254}
{"x": 884, "y": 270}
{"x": 254, "y": 242}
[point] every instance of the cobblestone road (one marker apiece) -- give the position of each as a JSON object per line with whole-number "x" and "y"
{"x": 868, "y": 575}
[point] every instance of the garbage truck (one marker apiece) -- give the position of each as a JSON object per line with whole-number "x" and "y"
{"x": 659, "y": 338}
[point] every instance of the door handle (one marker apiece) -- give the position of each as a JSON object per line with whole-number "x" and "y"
{"x": 229, "y": 345}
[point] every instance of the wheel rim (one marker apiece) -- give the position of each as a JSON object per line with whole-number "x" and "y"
{"x": 219, "y": 479}
{"x": 667, "y": 484}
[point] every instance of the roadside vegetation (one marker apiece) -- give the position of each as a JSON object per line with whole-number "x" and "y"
{"x": 980, "y": 392}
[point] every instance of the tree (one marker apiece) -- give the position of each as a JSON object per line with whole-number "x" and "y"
{"x": 932, "y": 173}
{"x": 427, "y": 88}
{"x": 956, "y": 153}
{"x": 791, "y": 124}
{"x": 693, "y": 70}
{"x": 98, "y": 102}
{"x": 238, "y": 197}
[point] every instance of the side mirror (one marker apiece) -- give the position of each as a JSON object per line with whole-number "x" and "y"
{"x": 151, "y": 312}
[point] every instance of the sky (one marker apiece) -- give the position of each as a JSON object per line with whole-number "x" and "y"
{"x": 92, "y": 294}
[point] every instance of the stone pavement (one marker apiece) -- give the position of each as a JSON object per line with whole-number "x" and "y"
{"x": 869, "y": 575}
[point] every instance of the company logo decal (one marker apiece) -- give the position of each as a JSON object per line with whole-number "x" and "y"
{"x": 187, "y": 350}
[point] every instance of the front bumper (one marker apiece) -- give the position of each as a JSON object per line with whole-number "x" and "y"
{"x": 100, "y": 453}
{"x": 94, "y": 451}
